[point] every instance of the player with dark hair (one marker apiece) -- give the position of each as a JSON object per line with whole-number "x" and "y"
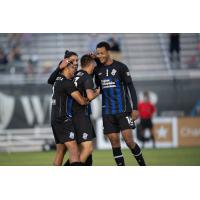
{"x": 78, "y": 111}
{"x": 61, "y": 119}
{"x": 146, "y": 110}
{"x": 82, "y": 123}
{"x": 72, "y": 58}
{"x": 118, "y": 114}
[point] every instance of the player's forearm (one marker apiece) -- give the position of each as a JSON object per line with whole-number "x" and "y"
{"x": 92, "y": 94}
{"x": 53, "y": 76}
{"x": 133, "y": 95}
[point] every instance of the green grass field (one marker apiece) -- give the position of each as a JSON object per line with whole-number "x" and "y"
{"x": 157, "y": 157}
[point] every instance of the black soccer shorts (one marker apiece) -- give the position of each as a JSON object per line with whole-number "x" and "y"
{"x": 83, "y": 128}
{"x": 63, "y": 131}
{"x": 146, "y": 123}
{"x": 118, "y": 122}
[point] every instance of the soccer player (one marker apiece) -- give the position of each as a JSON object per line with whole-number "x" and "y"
{"x": 88, "y": 65}
{"x": 62, "y": 125}
{"x": 82, "y": 123}
{"x": 118, "y": 114}
{"x": 146, "y": 110}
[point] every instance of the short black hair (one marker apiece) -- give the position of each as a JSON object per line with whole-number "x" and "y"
{"x": 69, "y": 54}
{"x": 103, "y": 44}
{"x": 86, "y": 60}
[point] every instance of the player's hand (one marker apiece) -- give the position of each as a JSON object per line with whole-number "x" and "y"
{"x": 93, "y": 55}
{"x": 134, "y": 115}
{"x": 64, "y": 63}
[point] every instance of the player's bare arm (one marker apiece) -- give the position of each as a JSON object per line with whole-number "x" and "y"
{"x": 92, "y": 94}
{"x": 80, "y": 99}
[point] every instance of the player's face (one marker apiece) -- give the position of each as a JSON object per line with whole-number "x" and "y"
{"x": 103, "y": 55}
{"x": 74, "y": 60}
{"x": 73, "y": 68}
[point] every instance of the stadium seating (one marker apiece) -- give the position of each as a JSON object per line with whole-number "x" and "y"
{"x": 141, "y": 52}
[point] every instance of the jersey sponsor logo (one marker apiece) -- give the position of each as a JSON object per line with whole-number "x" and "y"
{"x": 71, "y": 135}
{"x": 85, "y": 136}
{"x": 106, "y": 83}
{"x": 113, "y": 72}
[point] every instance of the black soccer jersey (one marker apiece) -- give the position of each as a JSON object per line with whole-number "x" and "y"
{"x": 113, "y": 80}
{"x": 82, "y": 81}
{"x": 61, "y": 99}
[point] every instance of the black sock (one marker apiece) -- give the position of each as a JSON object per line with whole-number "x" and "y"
{"x": 67, "y": 163}
{"x": 138, "y": 155}
{"x": 117, "y": 154}
{"x": 89, "y": 161}
{"x": 76, "y": 164}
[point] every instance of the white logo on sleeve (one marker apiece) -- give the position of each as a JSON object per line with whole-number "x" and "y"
{"x": 128, "y": 73}
{"x": 71, "y": 135}
{"x": 113, "y": 72}
{"x": 85, "y": 136}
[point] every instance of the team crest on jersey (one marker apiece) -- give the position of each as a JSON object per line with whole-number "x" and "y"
{"x": 71, "y": 135}
{"x": 113, "y": 72}
{"x": 85, "y": 136}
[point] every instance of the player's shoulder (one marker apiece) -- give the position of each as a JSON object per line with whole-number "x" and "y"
{"x": 83, "y": 75}
{"x": 67, "y": 82}
{"x": 119, "y": 65}
{"x": 80, "y": 73}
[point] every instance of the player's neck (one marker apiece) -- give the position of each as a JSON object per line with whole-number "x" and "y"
{"x": 86, "y": 70}
{"x": 67, "y": 76}
{"x": 109, "y": 61}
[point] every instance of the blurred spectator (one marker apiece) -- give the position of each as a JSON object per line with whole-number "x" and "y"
{"x": 31, "y": 65}
{"x": 146, "y": 110}
{"x": 115, "y": 48}
{"x": 114, "y": 44}
{"x": 14, "y": 40}
{"x": 26, "y": 39}
{"x": 14, "y": 54}
{"x": 47, "y": 67}
{"x": 196, "y": 109}
{"x": 174, "y": 47}
{"x": 3, "y": 57}
{"x": 93, "y": 40}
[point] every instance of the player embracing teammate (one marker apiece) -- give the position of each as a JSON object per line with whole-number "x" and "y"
{"x": 118, "y": 111}
{"x": 119, "y": 104}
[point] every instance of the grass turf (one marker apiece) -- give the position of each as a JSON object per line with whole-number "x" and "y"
{"x": 153, "y": 157}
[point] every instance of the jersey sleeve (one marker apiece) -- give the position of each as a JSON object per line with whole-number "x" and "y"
{"x": 126, "y": 78}
{"x": 125, "y": 74}
{"x": 96, "y": 78}
{"x": 54, "y": 75}
{"x": 88, "y": 83}
{"x": 69, "y": 87}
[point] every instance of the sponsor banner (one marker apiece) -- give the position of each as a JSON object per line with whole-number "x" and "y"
{"x": 188, "y": 132}
{"x": 165, "y": 130}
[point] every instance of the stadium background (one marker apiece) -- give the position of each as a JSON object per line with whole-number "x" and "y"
{"x": 25, "y": 96}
